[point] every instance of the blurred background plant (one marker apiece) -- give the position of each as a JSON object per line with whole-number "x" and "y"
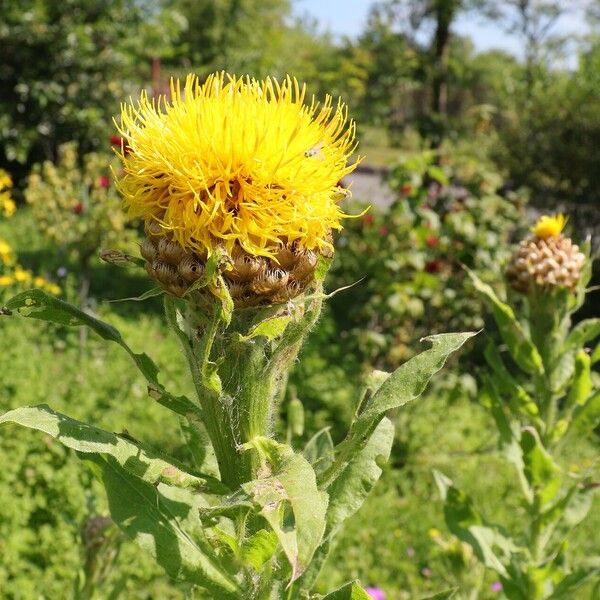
{"x": 461, "y": 139}
{"x": 75, "y": 206}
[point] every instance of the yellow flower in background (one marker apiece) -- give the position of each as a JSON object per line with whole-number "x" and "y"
{"x": 21, "y": 275}
{"x": 6, "y": 253}
{"x": 5, "y": 180}
{"x": 39, "y": 281}
{"x": 8, "y": 205}
{"x": 237, "y": 160}
{"x": 434, "y": 533}
{"x": 6, "y": 280}
{"x": 549, "y": 226}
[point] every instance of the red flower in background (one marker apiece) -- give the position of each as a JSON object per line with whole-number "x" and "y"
{"x": 383, "y": 230}
{"x": 78, "y": 208}
{"x": 103, "y": 181}
{"x": 433, "y": 266}
{"x": 368, "y": 219}
{"x": 432, "y": 241}
{"x": 117, "y": 140}
{"x": 406, "y": 189}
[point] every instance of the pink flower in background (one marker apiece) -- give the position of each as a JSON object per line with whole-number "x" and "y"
{"x": 103, "y": 181}
{"x": 78, "y": 208}
{"x": 368, "y": 219}
{"x": 383, "y": 230}
{"x": 496, "y": 586}
{"x": 376, "y": 593}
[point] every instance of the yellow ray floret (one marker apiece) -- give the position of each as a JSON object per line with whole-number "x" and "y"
{"x": 235, "y": 159}
{"x": 549, "y": 226}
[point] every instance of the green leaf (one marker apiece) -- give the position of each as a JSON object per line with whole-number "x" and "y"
{"x": 467, "y": 525}
{"x": 585, "y": 418}
{"x": 438, "y": 174}
{"x": 585, "y": 331}
{"x": 542, "y": 473}
{"x": 134, "y": 457}
{"x": 259, "y": 548}
{"x": 595, "y": 357}
{"x": 520, "y": 401}
{"x": 164, "y": 521}
{"x": 581, "y": 387}
{"x": 567, "y": 586}
{"x": 409, "y": 380}
{"x": 291, "y": 485}
{"x": 352, "y": 486}
{"x": 36, "y": 304}
{"x": 319, "y": 451}
{"x": 350, "y": 591}
{"x": 270, "y": 328}
{"x": 405, "y": 384}
{"x": 509, "y": 435}
{"x": 521, "y": 348}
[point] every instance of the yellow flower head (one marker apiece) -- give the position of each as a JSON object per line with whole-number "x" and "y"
{"x": 237, "y": 160}
{"x": 8, "y": 205}
{"x": 5, "y": 280}
{"x": 5, "y": 180}
{"x": 549, "y": 226}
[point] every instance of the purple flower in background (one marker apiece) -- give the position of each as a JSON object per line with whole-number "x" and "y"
{"x": 61, "y": 271}
{"x": 376, "y": 593}
{"x": 426, "y": 572}
{"x": 496, "y": 586}
{"x": 410, "y": 552}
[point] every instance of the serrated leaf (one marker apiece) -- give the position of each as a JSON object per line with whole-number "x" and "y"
{"x": 541, "y": 472}
{"x": 319, "y": 451}
{"x": 521, "y": 348}
{"x": 291, "y": 485}
{"x": 134, "y": 457}
{"x": 352, "y": 486}
{"x": 37, "y": 304}
{"x": 163, "y": 521}
{"x": 350, "y": 591}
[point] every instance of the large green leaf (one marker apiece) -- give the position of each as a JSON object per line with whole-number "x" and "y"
{"x": 405, "y": 384}
{"x": 164, "y": 521}
{"x": 542, "y": 473}
{"x": 490, "y": 545}
{"x": 352, "y": 486}
{"x": 350, "y": 591}
{"x": 134, "y": 457}
{"x": 521, "y": 348}
{"x": 581, "y": 386}
{"x": 37, "y": 304}
{"x": 290, "y": 485}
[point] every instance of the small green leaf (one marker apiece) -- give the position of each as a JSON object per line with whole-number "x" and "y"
{"x": 585, "y": 418}
{"x": 350, "y": 591}
{"x": 36, "y": 304}
{"x": 522, "y": 349}
{"x": 164, "y": 521}
{"x": 567, "y": 586}
{"x": 585, "y": 331}
{"x": 438, "y": 174}
{"x": 270, "y": 328}
{"x": 319, "y": 451}
{"x": 134, "y": 457}
{"x": 542, "y": 473}
{"x": 581, "y": 387}
{"x": 291, "y": 484}
{"x": 259, "y": 548}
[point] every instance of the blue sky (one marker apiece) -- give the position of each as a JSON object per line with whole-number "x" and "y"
{"x": 347, "y": 17}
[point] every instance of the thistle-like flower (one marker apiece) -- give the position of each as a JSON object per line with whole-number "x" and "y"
{"x": 546, "y": 258}
{"x": 238, "y": 167}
